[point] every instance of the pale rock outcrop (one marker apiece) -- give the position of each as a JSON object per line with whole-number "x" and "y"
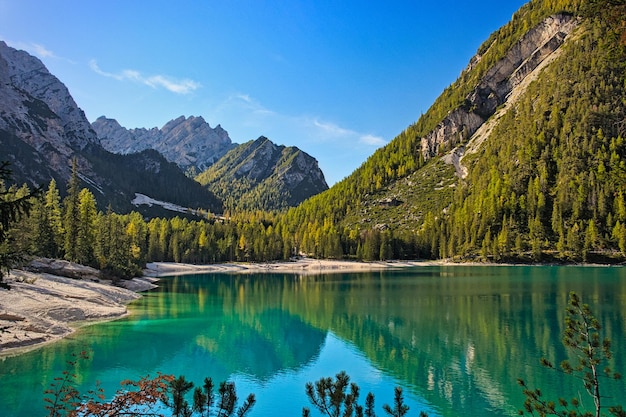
{"x": 494, "y": 88}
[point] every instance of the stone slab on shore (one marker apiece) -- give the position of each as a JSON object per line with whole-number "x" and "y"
{"x": 41, "y": 307}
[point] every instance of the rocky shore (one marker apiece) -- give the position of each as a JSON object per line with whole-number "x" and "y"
{"x": 42, "y": 307}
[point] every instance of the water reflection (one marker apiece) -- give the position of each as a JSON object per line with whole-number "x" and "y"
{"x": 456, "y": 338}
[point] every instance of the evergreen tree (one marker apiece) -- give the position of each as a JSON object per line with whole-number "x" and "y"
{"x": 12, "y": 208}
{"x": 179, "y": 387}
{"x": 52, "y": 206}
{"x": 43, "y": 242}
{"x": 85, "y": 237}
{"x": 333, "y": 399}
{"x": 71, "y": 215}
{"x": 591, "y": 353}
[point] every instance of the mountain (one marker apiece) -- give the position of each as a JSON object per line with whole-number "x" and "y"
{"x": 255, "y": 175}
{"x": 42, "y": 130}
{"x": 262, "y": 175}
{"x": 522, "y": 157}
{"x": 191, "y": 143}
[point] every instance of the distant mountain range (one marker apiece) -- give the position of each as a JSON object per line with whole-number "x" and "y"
{"x": 42, "y": 130}
{"x": 255, "y": 175}
{"x": 191, "y": 143}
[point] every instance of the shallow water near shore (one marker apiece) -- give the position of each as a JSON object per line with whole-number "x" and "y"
{"x": 456, "y": 338}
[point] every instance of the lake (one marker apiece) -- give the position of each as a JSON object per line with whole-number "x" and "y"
{"x": 455, "y": 338}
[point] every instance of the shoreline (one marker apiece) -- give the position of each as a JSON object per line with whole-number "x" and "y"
{"x": 310, "y": 266}
{"x": 305, "y": 266}
{"x": 43, "y": 307}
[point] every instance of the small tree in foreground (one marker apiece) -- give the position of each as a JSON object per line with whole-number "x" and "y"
{"x": 582, "y": 338}
{"x": 148, "y": 396}
{"x": 332, "y": 398}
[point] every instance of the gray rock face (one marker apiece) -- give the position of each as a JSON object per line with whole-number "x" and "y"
{"x": 258, "y": 159}
{"x": 303, "y": 173}
{"x": 188, "y": 142}
{"x": 27, "y": 75}
{"x": 37, "y": 109}
{"x": 492, "y": 91}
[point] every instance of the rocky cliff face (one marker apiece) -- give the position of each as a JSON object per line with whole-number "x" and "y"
{"x": 261, "y": 174}
{"x": 35, "y": 105}
{"x": 494, "y": 88}
{"x": 188, "y": 142}
{"x": 42, "y": 130}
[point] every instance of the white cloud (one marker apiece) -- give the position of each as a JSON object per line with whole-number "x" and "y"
{"x": 308, "y": 130}
{"x": 41, "y": 51}
{"x": 372, "y": 140}
{"x": 184, "y": 86}
{"x": 254, "y": 106}
{"x": 331, "y": 129}
{"x": 338, "y": 149}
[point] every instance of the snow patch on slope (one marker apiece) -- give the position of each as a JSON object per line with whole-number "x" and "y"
{"x": 141, "y": 199}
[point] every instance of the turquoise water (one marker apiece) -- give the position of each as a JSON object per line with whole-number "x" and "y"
{"x": 455, "y": 338}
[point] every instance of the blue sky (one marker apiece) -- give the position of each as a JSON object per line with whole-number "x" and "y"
{"x": 338, "y": 79}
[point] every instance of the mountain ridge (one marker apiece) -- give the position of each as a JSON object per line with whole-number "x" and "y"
{"x": 262, "y": 175}
{"x": 258, "y": 174}
{"x": 190, "y": 142}
{"x": 42, "y": 130}
{"x": 496, "y": 85}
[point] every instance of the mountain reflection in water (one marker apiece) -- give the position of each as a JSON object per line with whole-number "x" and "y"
{"x": 455, "y": 338}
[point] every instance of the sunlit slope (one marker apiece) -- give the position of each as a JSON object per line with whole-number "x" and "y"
{"x": 524, "y": 149}
{"x": 259, "y": 175}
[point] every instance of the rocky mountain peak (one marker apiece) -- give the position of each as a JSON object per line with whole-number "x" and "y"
{"x": 189, "y": 142}
{"x": 282, "y": 176}
{"x": 22, "y": 74}
{"x": 42, "y": 131}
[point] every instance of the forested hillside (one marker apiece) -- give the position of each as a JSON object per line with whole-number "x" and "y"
{"x": 539, "y": 176}
{"x": 260, "y": 175}
{"x": 552, "y": 167}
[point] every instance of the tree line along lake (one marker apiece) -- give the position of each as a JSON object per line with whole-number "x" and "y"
{"x": 455, "y": 338}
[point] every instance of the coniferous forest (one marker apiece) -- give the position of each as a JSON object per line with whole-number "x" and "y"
{"x": 548, "y": 185}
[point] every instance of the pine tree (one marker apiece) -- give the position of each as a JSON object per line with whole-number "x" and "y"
{"x": 85, "y": 237}
{"x": 53, "y": 210}
{"x": 590, "y": 354}
{"x": 71, "y": 217}
{"x": 43, "y": 243}
{"x": 12, "y": 209}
